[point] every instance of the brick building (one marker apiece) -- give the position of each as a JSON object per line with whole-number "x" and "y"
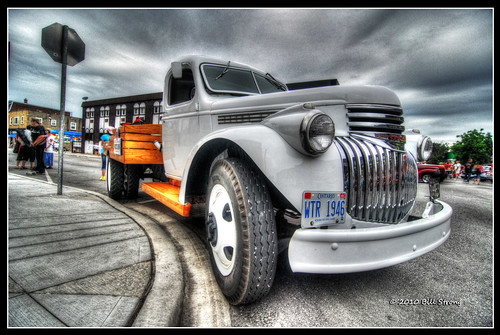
{"x": 100, "y": 114}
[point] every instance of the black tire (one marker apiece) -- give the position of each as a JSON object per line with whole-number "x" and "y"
{"x": 114, "y": 178}
{"x": 426, "y": 178}
{"x": 252, "y": 259}
{"x": 132, "y": 177}
{"x": 122, "y": 179}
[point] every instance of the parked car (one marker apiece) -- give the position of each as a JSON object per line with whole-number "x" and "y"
{"x": 427, "y": 171}
{"x": 488, "y": 173}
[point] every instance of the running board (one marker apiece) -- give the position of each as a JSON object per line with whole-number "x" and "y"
{"x": 167, "y": 194}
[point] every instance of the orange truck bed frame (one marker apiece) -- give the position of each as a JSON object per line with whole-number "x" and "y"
{"x": 135, "y": 145}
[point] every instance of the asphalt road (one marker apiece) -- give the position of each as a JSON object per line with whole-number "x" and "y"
{"x": 451, "y": 286}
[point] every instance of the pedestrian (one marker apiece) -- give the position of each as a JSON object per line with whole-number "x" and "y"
{"x": 448, "y": 168}
{"x": 477, "y": 171}
{"x": 468, "y": 170}
{"x": 39, "y": 136}
{"x": 23, "y": 141}
{"x": 48, "y": 155}
{"x": 457, "y": 169}
{"x": 28, "y": 151}
{"x": 105, "y": 138}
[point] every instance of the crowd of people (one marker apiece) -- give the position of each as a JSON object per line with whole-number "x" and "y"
{"x": 35, "y": 144}
{"x": 470, "y": 171}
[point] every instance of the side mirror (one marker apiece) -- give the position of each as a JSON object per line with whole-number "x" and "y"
{"x": 176, "y": 70}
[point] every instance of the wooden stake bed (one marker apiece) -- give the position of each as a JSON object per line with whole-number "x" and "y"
{"x": 137, "y": 144}
{"x": 134, "y": 144}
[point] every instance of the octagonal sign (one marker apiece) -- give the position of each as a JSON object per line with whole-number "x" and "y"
{"x": 52, "y": 39}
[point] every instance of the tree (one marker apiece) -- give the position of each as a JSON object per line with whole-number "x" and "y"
{"x": 439, "y": 153}
{"x": 474, "y": 144}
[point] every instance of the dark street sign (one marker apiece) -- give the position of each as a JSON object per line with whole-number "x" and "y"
{"x": 52, "y": 42}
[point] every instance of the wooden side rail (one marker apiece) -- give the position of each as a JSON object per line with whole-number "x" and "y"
{"x": 134, "y": 144}
{"x": 167, "y": 194}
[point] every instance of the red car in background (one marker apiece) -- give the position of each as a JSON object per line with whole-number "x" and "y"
{"x": 428, "y": 171}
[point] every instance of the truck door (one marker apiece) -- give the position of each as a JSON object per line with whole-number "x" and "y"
{"x": 181, "y": 129}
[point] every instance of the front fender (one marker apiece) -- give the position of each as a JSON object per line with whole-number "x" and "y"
{"x": 288, "y": 170}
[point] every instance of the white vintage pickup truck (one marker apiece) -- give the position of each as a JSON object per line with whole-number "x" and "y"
{"x": 326, "y": 172}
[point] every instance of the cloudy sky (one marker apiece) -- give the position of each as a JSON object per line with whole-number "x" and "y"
{"x": 438, "y": 61}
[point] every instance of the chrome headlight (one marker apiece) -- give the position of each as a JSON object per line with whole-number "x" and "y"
{"x": 424, "y": 148}
{"x": 317, "y": 132}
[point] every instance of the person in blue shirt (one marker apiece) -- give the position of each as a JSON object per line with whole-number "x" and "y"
{"x": 105, "y": 138}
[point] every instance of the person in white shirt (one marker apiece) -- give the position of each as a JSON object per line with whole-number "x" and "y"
{"x": 457, "y": 169}
{"x": 48, "y": 155}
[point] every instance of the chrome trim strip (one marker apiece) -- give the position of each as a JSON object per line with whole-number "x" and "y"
{"x": 375, "y": 118}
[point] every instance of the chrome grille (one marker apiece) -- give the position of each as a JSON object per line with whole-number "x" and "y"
{"x": 363, "y": 118}
{"x": 381, "y": 183}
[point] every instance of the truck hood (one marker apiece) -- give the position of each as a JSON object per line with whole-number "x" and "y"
{"x": 332, "y": 94}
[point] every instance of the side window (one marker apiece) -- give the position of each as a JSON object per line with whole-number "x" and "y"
{"x": 181, "y": 89}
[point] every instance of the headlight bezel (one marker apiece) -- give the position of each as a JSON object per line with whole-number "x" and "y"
{"x": 424, "y": 148}
{"x": 305, "y": 132}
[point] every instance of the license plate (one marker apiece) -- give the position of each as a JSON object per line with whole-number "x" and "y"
{"x": 117, "y": 146}
{"x": 323, "y": 208}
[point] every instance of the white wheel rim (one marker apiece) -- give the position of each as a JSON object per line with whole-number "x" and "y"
{"x": 224, "y": 250}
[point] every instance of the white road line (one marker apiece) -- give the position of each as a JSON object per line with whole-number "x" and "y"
{"x": 48, "y": 177}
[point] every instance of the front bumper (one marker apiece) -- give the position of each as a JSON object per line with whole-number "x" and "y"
{"x": 362, "y": 249}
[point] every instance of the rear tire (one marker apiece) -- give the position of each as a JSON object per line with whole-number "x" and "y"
{"x": 114, "y": 178}
{"x": 132, "y": 177}
{"x": 122, "y": 179}
{"x": 241, "y": 232}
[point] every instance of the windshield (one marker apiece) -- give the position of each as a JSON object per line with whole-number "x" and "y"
{"x": 225, "y": 79}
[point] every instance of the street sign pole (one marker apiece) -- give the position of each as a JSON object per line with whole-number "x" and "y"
{"x": 64, "y": 46}
{"x": 64, "y": 54}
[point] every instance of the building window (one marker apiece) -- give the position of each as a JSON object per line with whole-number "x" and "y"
{"x": 157, "y": 107}
{"x": 139, "y": 109}
{"x": 104, "y": 119}
{"x": 90, "y": 112}
{"x": 121, "y": 110}
{"x": 53, "y": 122}
{"x": 104, "y": 111}
{"x": 89, "y": 125}
{"x": 72, "y": 125}
{"x": 16, "y": 120}
{"x": 157, "y": 110}
{"x": 22, "y": 119}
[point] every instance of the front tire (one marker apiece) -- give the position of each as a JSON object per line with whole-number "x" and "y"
{"x": 241, "y": 232}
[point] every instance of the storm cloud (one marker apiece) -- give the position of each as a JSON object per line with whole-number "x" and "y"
{"x": 438, "y": 61}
